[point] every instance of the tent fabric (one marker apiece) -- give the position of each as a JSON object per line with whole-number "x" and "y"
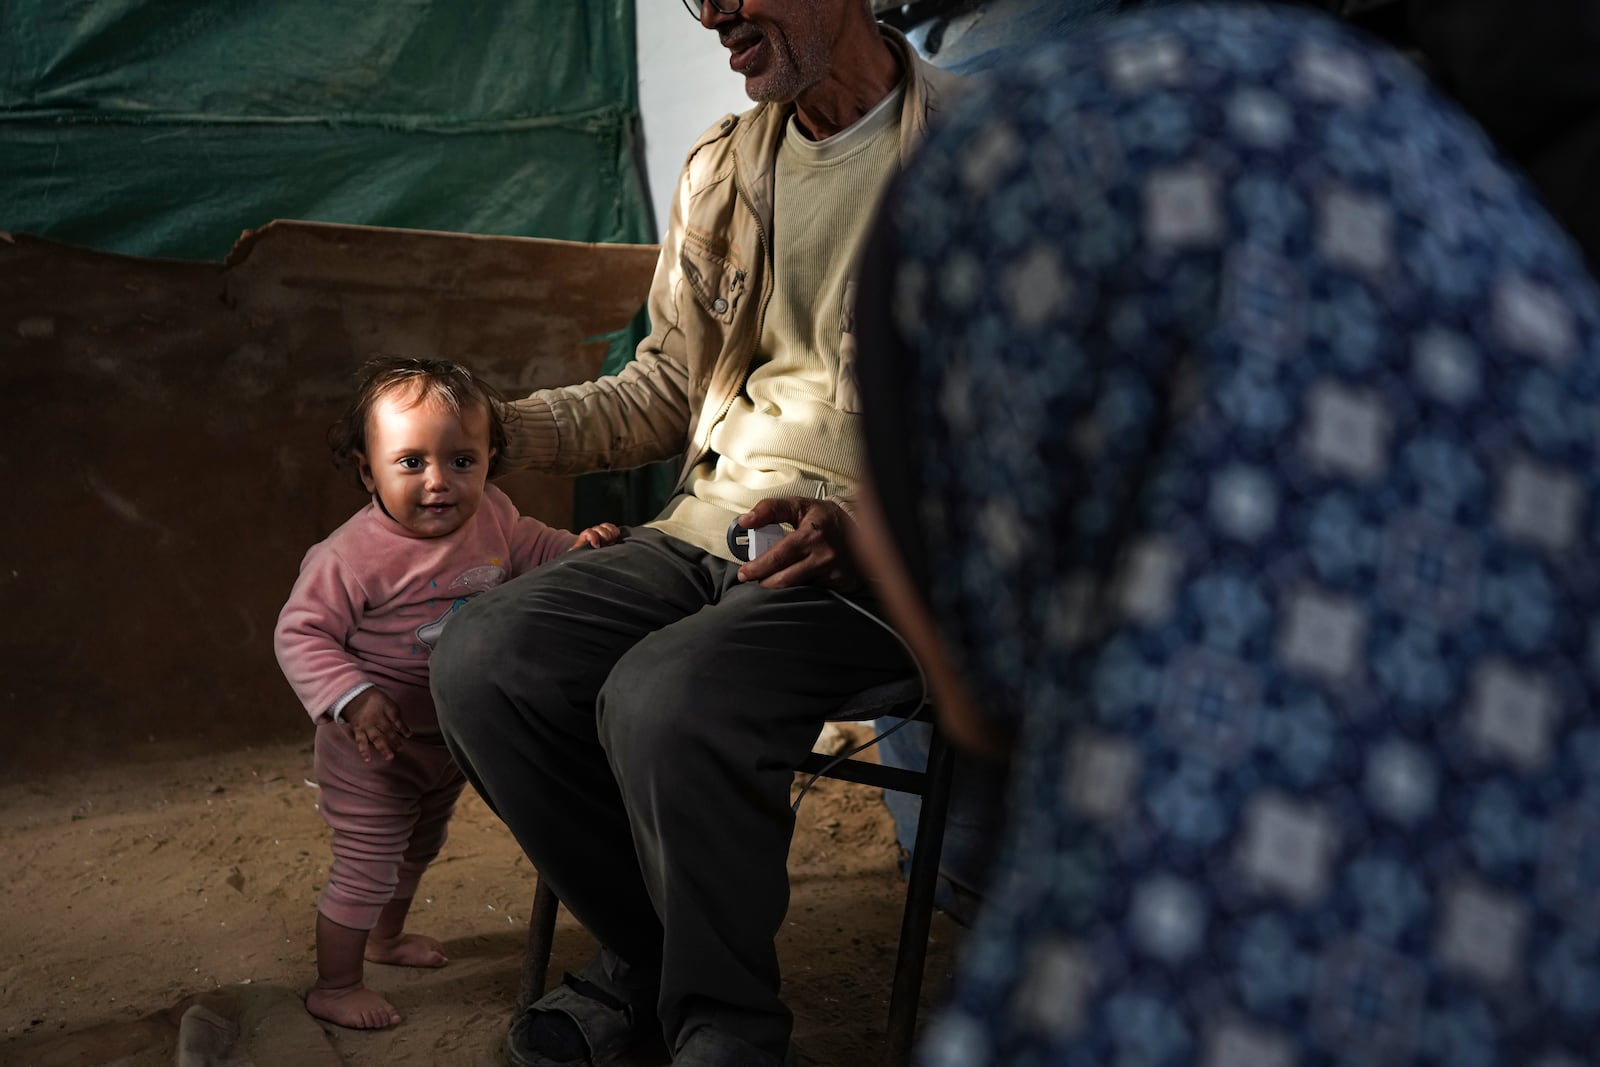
{"x": 187, "y": 190}
{"x": 165, "y": 128}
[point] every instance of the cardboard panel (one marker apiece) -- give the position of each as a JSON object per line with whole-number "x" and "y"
{"x": 169, "y": 420}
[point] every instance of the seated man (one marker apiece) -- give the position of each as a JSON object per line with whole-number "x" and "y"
{"x": 635, "y": 714}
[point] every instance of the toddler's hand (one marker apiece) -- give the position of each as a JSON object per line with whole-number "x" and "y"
{"x": 374, "y": 722}
{"x": 606, "y": 533}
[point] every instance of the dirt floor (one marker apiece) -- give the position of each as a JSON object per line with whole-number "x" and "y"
{"x": 135, "y": 892}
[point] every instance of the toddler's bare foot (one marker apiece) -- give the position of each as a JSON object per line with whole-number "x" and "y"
{"x": 354, "y": 1006}
{"x": 407, "y": 950}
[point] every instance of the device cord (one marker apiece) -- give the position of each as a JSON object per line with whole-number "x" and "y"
{"x": 918, "y": 713}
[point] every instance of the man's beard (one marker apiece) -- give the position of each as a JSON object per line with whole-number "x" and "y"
{"x": 792, "y": 66}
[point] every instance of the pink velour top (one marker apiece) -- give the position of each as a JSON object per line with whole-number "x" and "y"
{"x": 372, "y": 598}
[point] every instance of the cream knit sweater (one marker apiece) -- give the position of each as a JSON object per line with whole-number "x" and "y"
{"x": 793, "y": 430}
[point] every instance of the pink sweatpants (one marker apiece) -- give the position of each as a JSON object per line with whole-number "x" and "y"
{"x": 389, "y": 820}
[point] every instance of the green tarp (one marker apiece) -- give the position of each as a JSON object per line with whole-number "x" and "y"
{"x": 166, "y": 127}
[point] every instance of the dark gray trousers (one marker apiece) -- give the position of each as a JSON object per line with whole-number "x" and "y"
{"x": 635, "y": 714}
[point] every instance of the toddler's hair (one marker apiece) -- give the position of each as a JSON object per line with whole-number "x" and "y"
{"x": 439, "y": 380}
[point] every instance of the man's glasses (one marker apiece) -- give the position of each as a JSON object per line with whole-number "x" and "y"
{"x": 726, "y": 7}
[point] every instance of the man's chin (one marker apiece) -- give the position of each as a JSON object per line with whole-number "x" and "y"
{"x": 765, "y": 88}
{"x": 759, "y": 88}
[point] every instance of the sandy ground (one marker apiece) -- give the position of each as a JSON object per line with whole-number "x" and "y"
{"x": 133, "y": 892}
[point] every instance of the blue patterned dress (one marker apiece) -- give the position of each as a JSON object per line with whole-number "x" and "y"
{"x": 1256, "y": 409}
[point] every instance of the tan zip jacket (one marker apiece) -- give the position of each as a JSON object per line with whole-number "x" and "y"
{"x": 706, "y": 303}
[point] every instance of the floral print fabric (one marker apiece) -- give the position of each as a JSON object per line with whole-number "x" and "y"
{"x": 1260, "y": 407}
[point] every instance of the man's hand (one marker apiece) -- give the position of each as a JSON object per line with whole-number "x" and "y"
{"x": 600, "y": 536}
{"x": 374, "y": 722}
{"x": 815, "y": 552}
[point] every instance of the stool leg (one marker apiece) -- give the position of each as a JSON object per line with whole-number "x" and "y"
{"x": 541, "y": 931}
{"x": 918, "y": 917}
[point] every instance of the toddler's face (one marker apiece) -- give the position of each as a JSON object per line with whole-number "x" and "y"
{"x": 427, "y": 464}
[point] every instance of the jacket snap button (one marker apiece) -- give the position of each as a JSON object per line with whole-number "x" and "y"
{"x": 719, "y": 305}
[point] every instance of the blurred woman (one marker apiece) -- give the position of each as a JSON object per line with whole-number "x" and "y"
{"x": 1234, "y": 412}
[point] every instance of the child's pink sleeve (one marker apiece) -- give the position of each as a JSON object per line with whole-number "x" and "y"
{"x": 532, "y": 542}
{"x": 314, "y": 630}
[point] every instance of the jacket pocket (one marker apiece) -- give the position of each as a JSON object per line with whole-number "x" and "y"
{"x": 717, "y": 284}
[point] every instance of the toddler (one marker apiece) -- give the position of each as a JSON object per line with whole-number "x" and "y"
{"x": 354, "y": 638}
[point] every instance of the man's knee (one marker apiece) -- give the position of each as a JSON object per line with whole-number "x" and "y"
{"x": 511, "y": 654}
{"x": 661, "y": 711}
{"x": 468, "y": 660}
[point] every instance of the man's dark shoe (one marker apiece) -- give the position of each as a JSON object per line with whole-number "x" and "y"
{"x": 576, "y": 1024}
{"x": 710, "y": 1047}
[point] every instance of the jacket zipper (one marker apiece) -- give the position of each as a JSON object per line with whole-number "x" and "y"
{"x": 761, "y": 321}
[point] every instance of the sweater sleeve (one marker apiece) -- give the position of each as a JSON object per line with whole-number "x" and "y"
{"x": 534, "y": 543}
{"x": 531, "y": 541}
{"x": 313, "y": 632}
{"x": 624, "y": 420}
